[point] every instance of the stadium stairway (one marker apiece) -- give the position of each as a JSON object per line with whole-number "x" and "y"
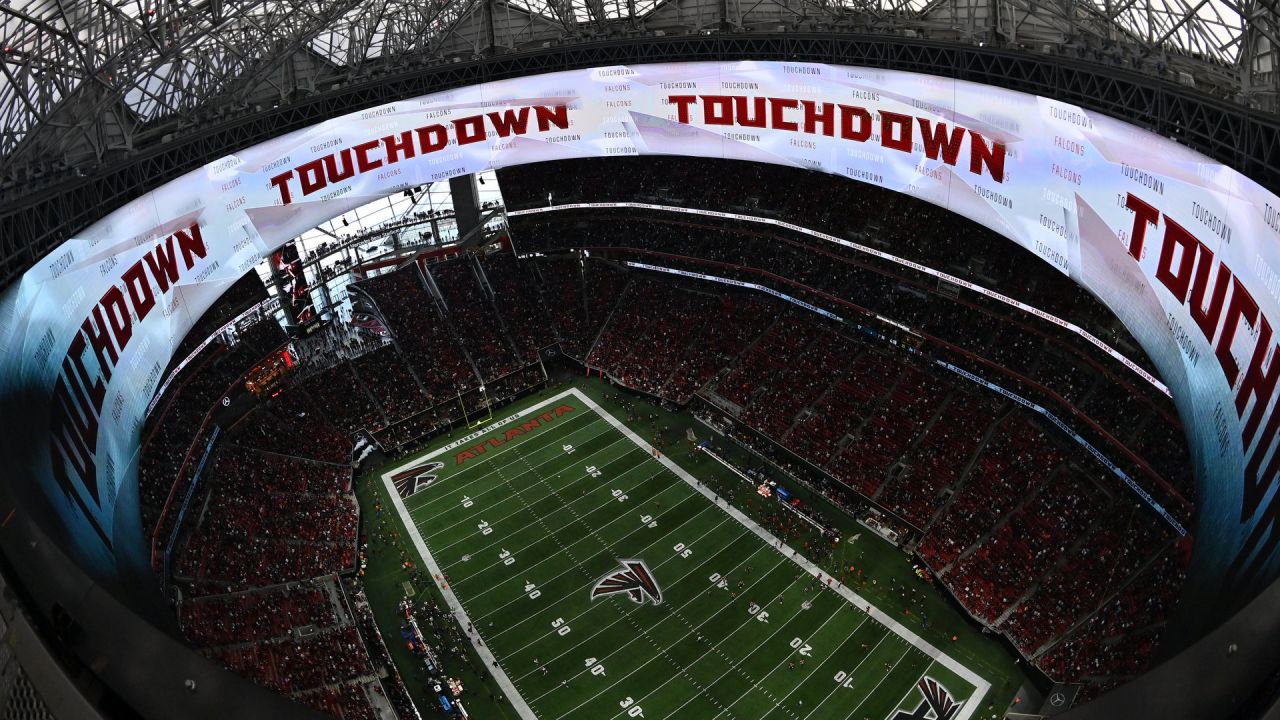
{"x": 1009, "y": 409}
{"x": 1081, "y": 540}
{"x": 382, "y": 411}
{"x": 626, "y": 290}
{"x": 903, "y": 465}
{"x": 1102, "y": 603}
{"x": 1025, "y": 500}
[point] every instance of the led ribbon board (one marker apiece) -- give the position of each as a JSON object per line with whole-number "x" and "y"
{"x": 1182, "y": 249}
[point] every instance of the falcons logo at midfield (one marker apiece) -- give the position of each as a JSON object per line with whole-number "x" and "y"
{"x": 634, "y": 579}
{"x": 937, "y": 703}
{"x": 416, "y": 478}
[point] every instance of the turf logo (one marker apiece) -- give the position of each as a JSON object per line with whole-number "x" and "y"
{"x": 936, "y": 705}
{"x": 634, "y": 579}
{"x": 417, "y": 478}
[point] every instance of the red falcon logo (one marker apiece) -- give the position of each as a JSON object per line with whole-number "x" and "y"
{"x": 415, "y": 479}
{"x": 634, "y": 579}
{"x": 937, "y": 704}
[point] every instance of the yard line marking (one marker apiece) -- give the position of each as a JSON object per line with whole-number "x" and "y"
{"x": 838, "y": 685}
{"x": 781, "y": 626}
{"x": 577, "y": 567}
{"x": 542, "y": 519}
{"x": 490, "y": 428}
{"x": 525, "y": 508}
{"x": 592, "y": 606}
{"x": 489, "y": 468}
{"x": 877, "y": 686}
{"x": 778, "y": 703}
{"x": 455, "y": 606}
{"x": 508, "y": 538}
{"x": 644, "y": 633}
{"x": 624, "y": 616}
{"x": 980, "y": 685}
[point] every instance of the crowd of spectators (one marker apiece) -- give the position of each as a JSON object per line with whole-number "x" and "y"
{"x": 519, "y": 302}
{"x": 255, "y": 616}
{"x": 1061, "y": 360}
{"x": 324, "y": 660}
{"x": 291, "y": 423}
{"x": 177, "y": 430}
{"x": 997, "y": 499}
{"x": 474, "y": 318}
{"x": 1021, "y": 526}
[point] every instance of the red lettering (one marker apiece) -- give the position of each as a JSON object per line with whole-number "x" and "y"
{"x": 717, "y": 110}
{"x": 281, "y": 183}
{"x": 191, "y": 242}
{"x": 163, "y": 263}
{"x": 362, "y": 156}
{"x": 94, "y": 327}
{"x": 815, "y": 114}
{"x": 1207, "y": 320}
{"x": 1143, "y": 215}
{"x": 938, "y": 142}
{"x": 118, "y": 318}
{"x": 401, "y": 145}
{"x": 777, "y": 119}
{"x": 563, "y": 410}
{"x": 682, "y": 103}
{"x": 1178, "y": 280}
{"x": 531, "y": 425}
{"x": 97, "y": 390}
{"x": 891, "y": 120}
{"x": 140, "y": 295}
{"x": 1241, "y": 307}
{"x": 469, "y": 129}
{"x": 432, "y": 138}
{"x": 848, "y": 114}
{"x": 510, "y": 121}
{"x": 331, "y": 166}
{"x": 755, "y": 118}
{"x": 981, "y": 156}
{"x": 311, "y": 176}
{"x": 1259, "y": 384}
{"x": 546, "y": 116}
{"x": 463, "y": 456}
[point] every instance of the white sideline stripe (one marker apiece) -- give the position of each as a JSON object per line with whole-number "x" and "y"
{"x": 981, "y": 686}
{"x": 490, "y": 453}
{"x": 623, "y": 616}
{"x": 499, "y": 675}
{"x": 839, "y": 685}
{"x": 781, "y": 626}
{"x": 488, "y": 472}
{"x": 748, "y": 691}
{"x": 592, "y": 606}
{"x": 492, "y": 545}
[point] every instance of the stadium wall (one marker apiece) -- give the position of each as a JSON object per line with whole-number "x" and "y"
{"x": 1179, "y": 247}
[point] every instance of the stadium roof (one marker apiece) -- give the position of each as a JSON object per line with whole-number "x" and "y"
{"x": 80, "y": 78}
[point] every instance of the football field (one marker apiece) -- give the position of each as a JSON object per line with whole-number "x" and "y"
{"x": 599, "y": 580}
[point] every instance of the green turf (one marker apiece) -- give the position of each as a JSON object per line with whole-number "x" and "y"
{"x": 530, "y": 513}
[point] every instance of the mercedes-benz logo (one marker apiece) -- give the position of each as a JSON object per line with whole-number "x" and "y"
{"x": 226, "y": 402}
{"x": 1057, "y": 699}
